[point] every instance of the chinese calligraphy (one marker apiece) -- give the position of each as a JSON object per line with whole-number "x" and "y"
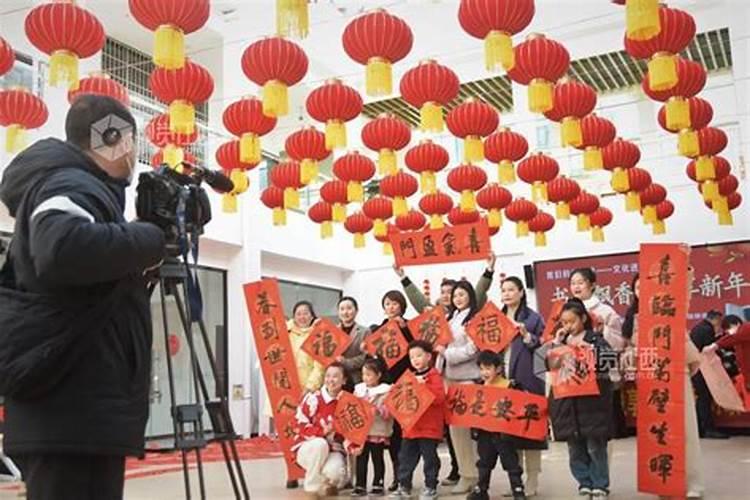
{"x": 433, "y": 246}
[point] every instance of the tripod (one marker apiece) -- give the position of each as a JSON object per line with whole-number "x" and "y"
{"x": 187, "y": 419}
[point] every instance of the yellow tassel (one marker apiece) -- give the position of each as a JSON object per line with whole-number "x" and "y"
{"x": 326, "y": 230}
{"x": 540, "y": 96}
{"x": 720, "y": 204}
{"x": 498, "y": 51}
{"x": 662, "y": 72}
{"x": 181, "y": 117}
{"x": 597, "y": 234}
{"x": 359, "y": 240}
{"x": 335, "y": 135}
{"x": 570, "y": 132}
{"x": 473, "y": 149}
{"x": 562, "y": 211}
{"x": 250, "y": 151}
{"x": 229, "y": 203}
{"x": 292, "y": 18}
{"x": 400, "y": 206}
{"x": 540, "y": 239}
{"x": 584, "y": 222}
{"x": 339, "y": 212}
{"x": 308, "y": 171}
{"x": 15, "y": 138}
{"x": 725, "y": 218}
{"x": 659, "y": 227}
{"x": 431, "y": 117}
{"x": 436, "y": 222}
{"x": 63, "y": 68}
{"x": 687, "y": 143}
{"x": 592, "y": 158}
{"x": 428, "y": 181}
{"x": 355, "y": 191}
{"x": 279, "y": 217}
{"x": 169, "y": 47}
{"x": 291, "y": 198}
{"x": 387, "y": 249}
{"x": 642, "y": 19}
{"x": 632, "y": 201}
{"x": 378, "y": 78}
{"x": 380, "y": 228}
{"x": 387, "y": 164}
{"x": 538, "y": 192}
{"x": 240, "y": 180}
{"x": 704, "y": 168}
{"x": 275, "y": 99}
{"x": 468, "y": 202}
{"x": 505, "y": 172}
{"x": 678, "y": 113}
{"x": 710, "y": 190}
{"x": 620, "y": 180}
{"x": 494, "y": 218}
{"x": 649, "y": 214}
{"x": 172, "y": 155}
{"x": 522, "y": 229}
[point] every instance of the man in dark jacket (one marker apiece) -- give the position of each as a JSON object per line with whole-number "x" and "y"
{"x": 75, "y": 283}
{"x": 703, "y": 335}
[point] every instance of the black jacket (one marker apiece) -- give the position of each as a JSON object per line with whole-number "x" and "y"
{"x": 394, "y": 373}
{"x": 703, "y": 334}
{"x": 71, "y": 250}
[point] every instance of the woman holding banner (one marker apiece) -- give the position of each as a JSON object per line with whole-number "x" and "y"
{"x": 353, "y": 358}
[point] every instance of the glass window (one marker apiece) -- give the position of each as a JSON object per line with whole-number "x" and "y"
{"x": 21, "y": 75}
{"x": 324, "y": 300}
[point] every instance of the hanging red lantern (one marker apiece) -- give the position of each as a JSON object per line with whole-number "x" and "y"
{"x": 692, "y": 80}
{"x": 385, "y": 135}
{"x": 582, "y": 206}
{"x": 391, "y": 229}
{"x": 307, "y": 146}
{"x": 335, "y": 193}
{"x": 399, "y": 187}
{"x": 358, "y": 224}
{"x": 20, "y": 110}
{"x": 641, "y": 18}
{"x": 709, "y": 187}
{"x": 505, "y": 147}
{"x": 171, "y": 144}
{"x": 711, "y": 142}
{"x": 521, "y": 211}
{"x": 378, "y": 40}
{"x": 411, "y": 221}
{"x": 100, "y": 84}
{"x": 724, "y": 206}
{"x": 182, "y": 89}
{"x": 650, "y": 197}
{"x": 426, "y": 159}
{"x": 429, "y": 87}
{"x": 379, "y": 209}
{"x": 286, "y": 176}
{"x": 228, "y": 157}
{"x": 664, "y": 210}
{"x": 701, "y": 114}
{"x": 726, "y": 187}
{"x": 538, "y": 169}
{"x": 491, "y": 230}
{"x": 334, "y": 104}
{"x": 540, "y": 225}
{"x": 561, "y": 191}
{"x": 638, "y": 180}
{"x": 157, "y": 159}
{"x": 273, "y": 198}
{"x": 466, "y": 180}
{"x": 471, "y": 121}
{"x": 66, "y": 32}
{"x": 436, "y": 205}
{"x": 292, "y": 18}
{"x": 494, "y": 198}
{"x": 171, "y": 20}
{"x": 495, "y": 21}
{"x": 596, "y": 133}
{"x": 7, "y": 56}
{"x": 600, "y": 218}
{"x": 572, "y": 100}
{"x": 619, "y": 156}
{"x": 457, "y": 217}
{"x": 322, "y": 213}
{"x": 542, "y": 61}
{"x": 355, "y": 169}
{"x": 677, "y": 31}
{"x": 275, "y": 64}
{"x": 245, "y": 119}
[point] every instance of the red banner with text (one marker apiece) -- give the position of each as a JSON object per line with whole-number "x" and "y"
{"x": 436, "y": 246}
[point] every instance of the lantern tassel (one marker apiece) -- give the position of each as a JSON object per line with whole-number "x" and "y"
{"x": 649, "y": 214}
{"x": 620, "y": 180}
{"x": 339, "y": 212}
{"x": 687, "y": 143}
{"x": 540, "y": 95}
{"x": 387, "y": 164}
{"x": 428, "y": 181}
{"x": 275, "y": 99}
{"x": 539, "y": 191}
{"x": 597, "y": 234}
{"x": 592, "y": 158}
{"x": 359, "y": 240}
{"x": 250, "y": 150}
{"x": 659, "y": 227}
{"x": 326, "y": 230}
{"x": 498, "y": 51}
{"x": 173, "y": 155}
{"x": 725, "y": 218}
{"x": 308, "y": 171}
{"x": 642, "y": 19}
{"x": 704, "y": 169}
{"x": 494, "y": 218}
{"x": 468, "y": 201}
{"x": 63, "y": 68}
{"x": 632, "y": 201}
{"x": 710, "y": 190}
{"x": 279, "y": 216}
{"x": 355, "y": 191}
{"x": 522, "y": 229}
{"x": 169, "y": 47}
{"x": 473, "y": 149}
{"x": 570, "y": 132}
{"x": 240, "y": 180}
{"x": 540, "y": 239}
{"x": 291, "y": 198}
{"x": 584, "y": 222}
{"x": 436, "y": 222}
{"x": 15, "y": 138}
{"x": 229, "y": 203}
{"x": 292, "y": 18}
{"x": 335, "y": 135}
{"x": 431, "y": 117}
{"x": 678, "y": 113}
{"x": 378, "y": 78}
{"x": 505, "y": 172}
{"x": 380, "y": 228}
{"x": 662, "y": 71}
{"x": 562, "y": 211}
{"x": 720, "y": 204}
{"x": 400, "y": 206}
{"x": 181, "y": 117}
{"x": 387, "y": 248}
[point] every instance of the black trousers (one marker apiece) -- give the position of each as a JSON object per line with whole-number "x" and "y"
{"x": 395, "y": 448}
{"x": 411, "y": 451}
{"x": 455, "y": 473}
{"x": 489, "y": 447}
{"x": 376, "y": 451}
{"x": 703, "y": 404}
{"x": 72, "y": 477}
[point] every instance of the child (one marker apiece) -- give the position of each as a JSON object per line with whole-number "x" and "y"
{"x": 422, "y": 439}
{"x": 374, "y": 391}
{"x": 490, "y": 445}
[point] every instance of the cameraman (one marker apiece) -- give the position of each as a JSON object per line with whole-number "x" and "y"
{"x": 75, "y": 316}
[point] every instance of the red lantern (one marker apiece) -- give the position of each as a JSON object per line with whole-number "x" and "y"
{"x": 457, "y": 217}
{"x": 692, "y": 80}
{"x": 724, "y": 206}
{"x": 65, "y": 32}
{"x": 429, "y": 86}
{"x": 494, "y": 198}
{"x": 426, "y": 159}
{"x": 20, "y": 110}
{"x": 701, "y": 114}
{"x": 572, "y": 101}
{"x": 378, "y": 40}
{"x": 228, "y": 157}
{"x": 275, "y": 64}
{"x": 711, "y": 142}
{"x": 521, "y": 211}
{"x": 385, "y": 135}
{"x": 638, "y": 180}
{"x": 677, "y": 31}
{"x": 157, "y": 159}
{"x": 495, "y": 21}
{"x": 355, "y": 169}
{"x": 292, "y": 18}
{"x": 379, "y": 209}
{"x": 182, "y": 89}
{"x": 273, "y": 198}
{"x": 601, "y": 217}
{"x": 540, "y": 225}
{"x": 619, "y": 156}
{"x": 582, "y": 206}
{"x": 322, "y": 213}
{"x": 334, "y": 192}
{"x": 171, "y": 144}
{"x": 334, "y": 104}
{"x": 307, "y": 146}
{"x": 709, "y": 187}
{"x": 171, "y": 20}
{"x": 100, "y": 84}
{"x": 726, "y": 187}
{"x": 8, "y": 57}
{"x": 542, "y": 61}
{"x": 561, "y": 191}
{"x": 436, "y": 205}
{"x": 385, "y": 239}
{"x": 472, "y": 120}
{"x": 596, "y": 133}
{"x": 537, "y": 170}
{"x": 245, "y": 119}
{"x": 286, "y": 175}
{"x": 505, "y": 147}
{"x": 358, "y": 224}
{"x": 411, "y": 221}
{"x": 641, "y": 18}
{"x": 650, "y": 197}
{"x": 466, "y": 180}
{"x": 664, "y": 210}
{"x": 399, "y": 186}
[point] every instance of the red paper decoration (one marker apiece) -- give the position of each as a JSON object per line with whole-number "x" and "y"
{"x": 429, "y": 86}
{"x": 537, "y": 170}
{"x": 245, "y": 119}
{"x": 494, "y": 198}
{"x": 385, "y": 135}
{"x": 426, "y": 159}
{"x": 182, "y": 89}
{"x": 334, "y": 104}
{"x": 20, "y": 110}
{"x": 541, "y": 62}
{"x": 505, "y": 147}
{"x": 171, "y": 144}
{"x": 472, "y": 120}
{"x": 466, "y": 180}
{"x": 355, "y": 169}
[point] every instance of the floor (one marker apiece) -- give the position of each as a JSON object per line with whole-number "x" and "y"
{"x": 726, "y": 465}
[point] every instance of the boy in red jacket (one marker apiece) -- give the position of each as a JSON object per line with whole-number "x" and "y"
{"x": 422, "y": 439}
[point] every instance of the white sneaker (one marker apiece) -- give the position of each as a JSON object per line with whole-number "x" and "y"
{"x": 463, "y": 486}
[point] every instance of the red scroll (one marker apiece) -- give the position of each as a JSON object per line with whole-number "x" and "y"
{"x": 573, "y": 371}
{"x": 353, "y": 418}
{"x": 432, "y": 327}
{"x": 387, "y": 343}
{"x": 408, "y": 400}
{"x": 490, "y": 329}
{"x": 326, "y": 342}
{"x": 436, "y": 246}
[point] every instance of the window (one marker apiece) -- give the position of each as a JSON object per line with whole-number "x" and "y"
{"x": 324, "y": 300}
{"x": 21, "y": 75}
{"x": 543, "y": 137}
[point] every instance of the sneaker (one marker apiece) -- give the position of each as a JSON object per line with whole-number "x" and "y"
{"x": 292, "y": 484}
{"x": 401, "y": 492}
{"x": 463, "y": 486}
{"x": 428, "y": 494}
{"x": 478, "y": 494}
{"x": 377, "y": 491}
{"x": 347, "y": 486}
{"x": 584, "y": 491}
{"x": 393, "y": 487}
{"x": 358, "y": 492}
{"x": 599, "y": 493}
{"x": 518, "y": 493}
{"x": 450, "y": 481}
